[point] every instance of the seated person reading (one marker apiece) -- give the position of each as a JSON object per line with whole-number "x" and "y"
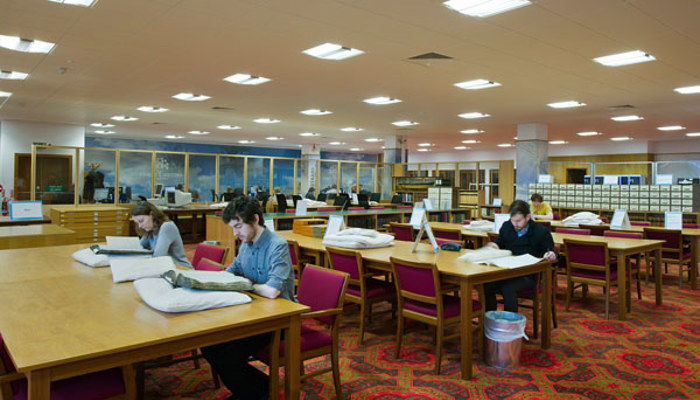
{"x": 540, "y": 209}
{"x": 158, "y": 233}
{"x": 520, "y": 235}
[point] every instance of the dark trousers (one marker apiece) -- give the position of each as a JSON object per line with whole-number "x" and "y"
{"x": 230, "y": 361}
{"x": 509, "y": 290}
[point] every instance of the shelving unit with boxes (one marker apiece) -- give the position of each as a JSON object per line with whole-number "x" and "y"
{"x": 92, "y": 223}
{"x": 442, "y": 197}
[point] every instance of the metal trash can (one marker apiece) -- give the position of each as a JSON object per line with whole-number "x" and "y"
{"x": 504, "y": 331}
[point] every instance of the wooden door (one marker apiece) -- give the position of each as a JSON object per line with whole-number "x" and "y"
{"x": 53, "y": 177}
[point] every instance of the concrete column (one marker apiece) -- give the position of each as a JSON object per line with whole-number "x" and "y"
{"x": 309, "y": 167}
{"x": 531, "y": 155}
{"x": 394, "y": 153}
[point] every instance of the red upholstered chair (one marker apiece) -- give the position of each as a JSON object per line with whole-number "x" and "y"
{"x": 589, "y": 264}
{"x": 448, "y": 235}
{"x": 291, "y": 211}
{"x": 298, "y": 261}
{"x": 673, "y": 250}
{"x": 596, "y": 230}
{"x": 690, "y": 226}
{"x": 466, "y": 222}
{"x": 363, "y": 288}
{"x": 547, "y": 224}
{"x": 115, "y": 383}
{"x": 492, "y": 236}
{"x": 636, "y": 265}
{"x": 212, "y": 252}
{"x": 640, "y": 223}
{"x": 323, "y": 290}
{"x": 404, "y": 207}
{"x": 326, "y": 209}
{"x": 377, "y": 208}
{"x": 573, "y": 231}
{"x": 423, "y": 297}
{"x": 402, "y": 231}
{"x": 356, "y": 208}
{"x": 206, "y": 264}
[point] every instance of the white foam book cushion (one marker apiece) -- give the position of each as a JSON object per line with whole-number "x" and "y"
{"x": 357, "y": 238}
{"x": 161, "y": 295}
{"x": 126, "y": 269}
{"x": 89, "y": 258}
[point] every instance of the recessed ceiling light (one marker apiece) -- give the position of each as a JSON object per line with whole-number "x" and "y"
{"x": 620, "y": 138}
{"x": 245, "y": 141}
{"x": 473, "y": 115}
{"x": 309, "y": 134}
{"x": 124, "y": 118}
{"x": 381, "y": 100}
{"x": 505, "y": 145}
{"x": 199, "y": 132}
{"x": 274, "y": 138}
{"x": 471, "y": 131}
{"x": 423, "y": 149}
{"x": 315, "y": 111}
{"x": 405, "y": 123}
{"x": 174, "y": 137}
{"x": 152, "y": 109}
{"x": 688, "y": 89}
{"x": 336, "y": 143}
{"x": 471, "y": 141}
{"x": 625, "y": 118}
{"x": 103, "y": 132}
{"x": 558, "y": 142}
{"x": 5, "y": 94}
{"x": 81, "y": 3}
{"x": 246, "y": 79}
{"x": 332, "y": 51}
{"x": 229, "y": 127}
{"x": 25, "y": 45}
{"x": 477, "y": 84}
{"x": 462, "y": 148}
{"x": 191, "y": 97}
{"x": 101, "y": 125}
{"x": 356, "y": 149}
{"x": 374, "y": 140}
{"x": 425, "y": 145}
{"x": 589, "y": 133}
{"x": 351, "y": 129}
{"x": 693, "y": 134}
{"x": 671, "y": 128}
{"x": 266, "y": 121}
{"x": 484, "y": 8}
{"x": 630, "y": 57}
{"x": 567, "y": 104}
{"x": 13, "y": 75}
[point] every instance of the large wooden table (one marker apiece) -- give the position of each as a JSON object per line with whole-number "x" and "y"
{"x": 468, "y": 275}
{"x": 61, "y": 319}
{"x": 7, "y": 221}
{"x": 39, "y": 235}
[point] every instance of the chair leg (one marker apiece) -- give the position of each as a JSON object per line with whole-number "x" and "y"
{"x": 535, "y": 314}
{"x": 363, "y": 317}
{"x": 438, "y": 347}
{"x": 336, "y": 372}
{"x": 195, "y": 358}
{"x": 569, "y": 291}
{"x": 399, "y": 336}
{"x": 607, "y": 301}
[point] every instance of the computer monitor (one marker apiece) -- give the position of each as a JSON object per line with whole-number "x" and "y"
{"x": 375, "y": 197}
{"x": 176, "y": 198}
{"x": 397, "y": 199}
{"x": 101, "y": 194}
{"x": 159, "y": 190}
{"x": 167, "y": 189}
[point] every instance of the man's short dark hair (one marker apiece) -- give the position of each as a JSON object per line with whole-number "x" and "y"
{"x": 244, "y": 208}
{"x": 519, "y": 207}
{"x": 536, "y": 197}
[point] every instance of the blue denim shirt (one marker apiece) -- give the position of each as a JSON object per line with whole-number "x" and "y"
{"x": 266, "y": 261}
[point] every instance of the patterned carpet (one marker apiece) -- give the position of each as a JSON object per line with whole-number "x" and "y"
{"x": 655, "y": 354}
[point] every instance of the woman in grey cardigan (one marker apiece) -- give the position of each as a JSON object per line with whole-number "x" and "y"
{"x": 158, "y": 233}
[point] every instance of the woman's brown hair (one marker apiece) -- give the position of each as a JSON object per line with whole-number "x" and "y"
{"x": 146, "y": 208}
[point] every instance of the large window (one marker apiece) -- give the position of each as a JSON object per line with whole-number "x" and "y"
{"x": 329, "y": 177}
{"x": 367, "y": 178}
{"x": 170, "y": 169}
{"x": 283, "y": 176}
{"x": 348, "y": 176}
{"x": 99, "y": 168}
{"x": 259, "y": 174}
{"x": 135, "y": 175}
{"x": 231, "y": 171}
{"x": 202, "y": 177}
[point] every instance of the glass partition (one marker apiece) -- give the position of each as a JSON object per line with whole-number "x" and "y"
{"x": 329, "y": 177}
{"x": 259, "y": 174}
{"x": 283, "y": 176}
{"x": 348, "y": 176}
{"x": 384, "y": 180}
{"x": 637, "y": 173}
{"x": 170, "y": 170}
{"x": 685, "y": 172}
{"x": 201, "y": 177}
{"x": 231, "y": 171}
{"x": 135, "y": 175}
{"x": 367, "y": 178}
{"x": 99, "y": 170}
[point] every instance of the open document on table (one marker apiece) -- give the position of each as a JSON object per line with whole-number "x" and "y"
{"x": 499, "y": 258}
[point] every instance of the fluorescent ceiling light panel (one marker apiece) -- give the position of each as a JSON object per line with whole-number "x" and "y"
{"x": 504, "y": 145}
{"x": 274, "y": 138}
{"x": 199, "y": 132}
{"x": 671, "y": 128}
{"x": 423, "y": 149}
{"x": 374, "y": 140}
{"x": 309, "y": 134}
{"x": 101, "y": 125}
{"x": 471, "y": 141}
{"x": 356, "y": 149}
{"x": 332, "y": 51}
{"x": 191, "y": 97}
{"x": 245, "y": 141}
{"x": 688, "y": 89}
{"x": 81, "y": 3}
{"x": 625, "y": 118}
{"x": 589, "y": 133}
{"x": 473, "y": 115}
{"x": 152, "y": 109}
{"x": 351, "y": 129}
{"x": 174, "y": 137}
{"x": 630, "y": 57}
{"x": 5, "y": 94}
{"x": 405, "y": 123}
{"x": 336, "y": 143}
{"x": 246, "y": 79}
{"x": 567, "y": 104}
{"x": 484, "y": 8}
{"x": 124, "y": 118}
{"x": 471, "y": 131}
{"x": 477, "y": 84}
{"x": 25, "y": 45}
{"x": 315, "y": 111}
{"x": 425, "y": 145}
{"x": 229, "y": 127}
{"x": 461, "y": 148}
{"x": 13, "y": 75}
{"x": 266, "y": 121}
{"x": 620, "y": 138}
{"x": 693, "y": 134}
{"x": 104, "y": 132}
{"x": 381, "y": 100}
{"x": 558, "y": 142}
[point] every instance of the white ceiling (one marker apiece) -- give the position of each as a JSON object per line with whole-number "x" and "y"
{"x": 121, "y": 54}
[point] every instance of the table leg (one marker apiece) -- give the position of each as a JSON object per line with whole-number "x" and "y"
{"x": 621, "y": 286}
{"x": 466, "y": 328}
{"x": 658, "y": 278}
{"x": 292, "y": 351}
{"x": 195, "y": 234}
{"x": 39, "y": 385}
{"x": 547, "y": 308}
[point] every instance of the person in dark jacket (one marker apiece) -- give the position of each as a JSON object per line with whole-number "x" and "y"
{"x": 520, "y": 235}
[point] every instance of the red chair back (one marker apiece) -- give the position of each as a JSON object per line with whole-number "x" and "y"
{"x": 291, "y": 211}
{"x": 449, "y": 234}
{"x": 214, "y": 253}
{"x": 348, "y": 261}
{"x": 639, "y": 223}
{"x": 322, "y": 289}
{"x": 377, "y": 208}
{"x": 402, "y": 231}
{"x": 404, "y": 207}
{"x": 591, "y": 255}
{"x": 416, "y": 281}
{"x": 596, "y": 230}
{"x": 326, "y": 209}
{"x": 293, "y": 251}
{"x": 672, "y": 237}
{"x": 690, "y": 226}
{"x": 356, "y": 208}
{"x": 206, "y": 264}
{"x": 573, "y": 231}
{"x": 627, "y": 235}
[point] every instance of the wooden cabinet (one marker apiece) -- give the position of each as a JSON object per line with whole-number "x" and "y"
{"x": 92, "y": 223}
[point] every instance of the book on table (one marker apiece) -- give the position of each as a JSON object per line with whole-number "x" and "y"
{"x": 121, "y": 245}
{"x": 499, "y": 258}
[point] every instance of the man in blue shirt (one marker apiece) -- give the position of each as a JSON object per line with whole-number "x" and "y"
{"x": 520, "y": 235}
{"x": 264, "y": 259}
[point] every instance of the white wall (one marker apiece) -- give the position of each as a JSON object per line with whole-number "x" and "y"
{"x": 18, "y": 136}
